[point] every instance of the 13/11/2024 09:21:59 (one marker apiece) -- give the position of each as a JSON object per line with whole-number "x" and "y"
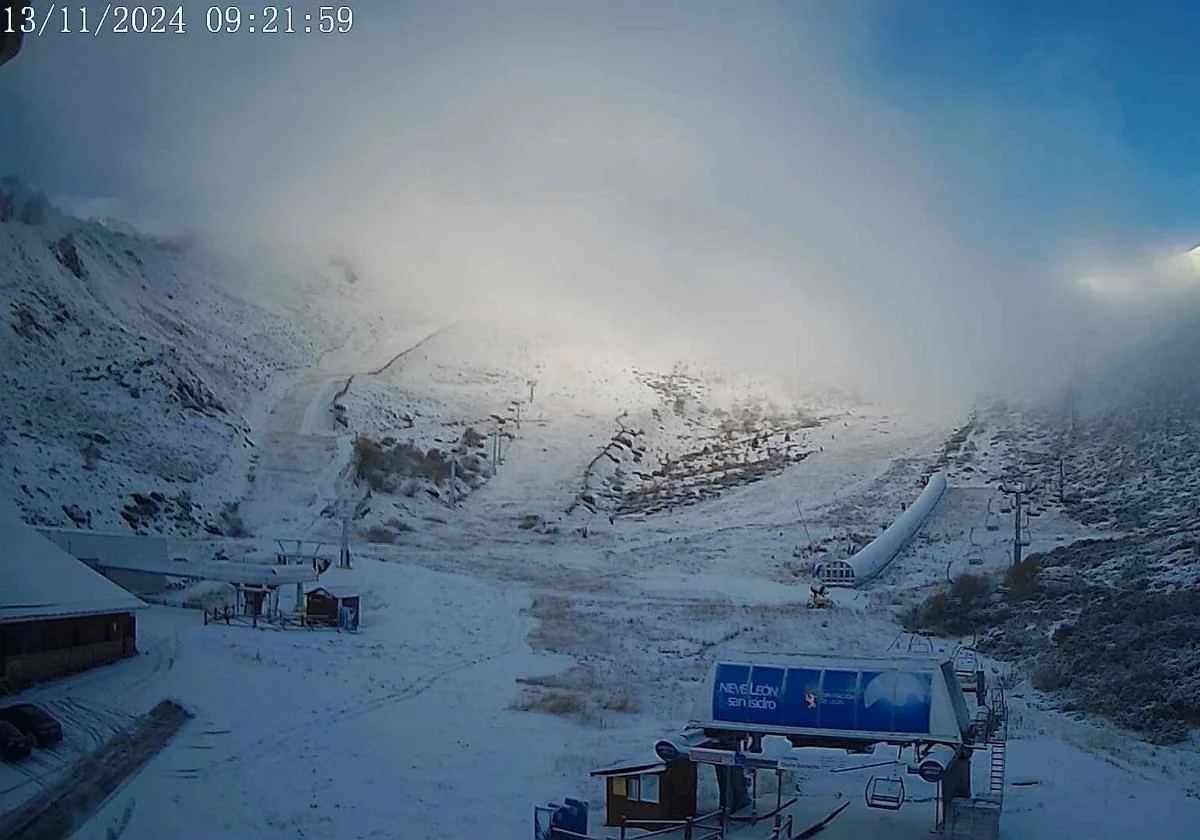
{"x": 280, "y": 20}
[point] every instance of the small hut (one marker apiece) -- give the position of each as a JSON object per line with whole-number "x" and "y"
{"x": 648, "y": 790}
{"x": 328, "y": 607}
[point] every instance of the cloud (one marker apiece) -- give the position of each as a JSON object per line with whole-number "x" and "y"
{"x": 707, "y": 176}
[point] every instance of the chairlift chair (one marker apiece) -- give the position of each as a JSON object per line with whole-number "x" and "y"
{"x": 967, "y": 665}
{"x": 885, "y": 793}
{"x": 921, "y": 643}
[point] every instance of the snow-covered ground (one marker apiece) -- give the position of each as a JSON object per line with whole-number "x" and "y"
{"x": 532, "y": 625}
{"x": 412, "y": 726}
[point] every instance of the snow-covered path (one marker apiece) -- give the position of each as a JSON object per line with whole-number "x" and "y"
{"x": 301, "y": 450}
{"x": 541, "y": 470}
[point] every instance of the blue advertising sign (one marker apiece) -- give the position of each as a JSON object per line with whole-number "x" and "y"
{"x": 804, "y": 698}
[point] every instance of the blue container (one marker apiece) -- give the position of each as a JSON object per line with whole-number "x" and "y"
{"x": 571, "y": 816}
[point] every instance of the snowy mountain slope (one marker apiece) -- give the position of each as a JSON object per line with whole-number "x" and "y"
{"x": 132, "y": 365}
{"x": 568, "y": 451}
{"x": 1102, "y": 616}
{"x": 506, "y": 643}
{"x": 516, "y": 660}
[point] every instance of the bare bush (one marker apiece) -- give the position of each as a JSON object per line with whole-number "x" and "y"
{"x": 963, "y": 609}
{"x": 1022, "y": 578}
{"x": 1047, "y": 676}
{"x": 382, "y": 467}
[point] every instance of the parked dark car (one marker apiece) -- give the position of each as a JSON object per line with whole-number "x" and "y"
{"x": 14, "y": 744}
{"x": 34, "y": 720}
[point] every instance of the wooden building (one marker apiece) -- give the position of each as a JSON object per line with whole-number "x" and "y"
{"x": 650, "y": 790}
{"x": 322, "y": 605}
{"x": 57, "y": 616}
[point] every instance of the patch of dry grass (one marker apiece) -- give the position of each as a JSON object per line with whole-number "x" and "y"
{"x": 575, "y": 693}
{"x": 380, "y": 535}
{"x": 561, "y": 703}
{"x": 712, "y": 609}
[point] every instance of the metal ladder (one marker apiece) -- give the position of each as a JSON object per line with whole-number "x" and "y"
{"x": 999, "y": 755}
{"x": 998, "y": 743}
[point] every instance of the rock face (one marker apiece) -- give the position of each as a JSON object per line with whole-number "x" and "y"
{"x": 131, "y": 360}
{"x": 21, "y": 204}
{"x": 68, "y": 256}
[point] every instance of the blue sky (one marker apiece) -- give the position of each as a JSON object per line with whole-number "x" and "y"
{"x": 1101, "y": 97}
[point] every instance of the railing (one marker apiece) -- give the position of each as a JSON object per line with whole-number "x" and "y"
{"x": 754, "y": 818}
{"x": 694, "y": 828}
{"x": 710, "y": 826}
{"x": 689, "y": 826}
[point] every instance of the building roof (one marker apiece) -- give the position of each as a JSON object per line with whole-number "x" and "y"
{"x": 338, "y": 592}
{"x": 227, "y": 571}
{"x": 631, "y": 768}
{"x": 39, "y": 580}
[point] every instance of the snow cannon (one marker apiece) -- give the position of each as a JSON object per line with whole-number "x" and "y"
{"x": 872, "y": 558}
{"x": 819, "y": 597}
{"x": 13, "y": 14}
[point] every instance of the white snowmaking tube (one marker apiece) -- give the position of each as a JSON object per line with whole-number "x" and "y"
{"x": 875, "y": 556}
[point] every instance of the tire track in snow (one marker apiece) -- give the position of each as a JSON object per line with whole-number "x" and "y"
{"x": 439, "y": 331}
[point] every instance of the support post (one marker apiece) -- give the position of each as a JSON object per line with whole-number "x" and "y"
{"x": 1017, "y": 493}
{"x": 344, "y": 554}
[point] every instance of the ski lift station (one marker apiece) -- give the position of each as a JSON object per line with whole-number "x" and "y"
{"x": 144, "y": 564}
{"x": 874, "y": 557}
{"x": 915, "y": 707}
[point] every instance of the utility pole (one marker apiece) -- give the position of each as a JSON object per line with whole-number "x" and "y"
{"x": 517, "y": 404}
{"x": 453, "y": 480}
{"x": 803, "y": 524}
{"x": 344, "y": 554}
{"x": 531, "y": 383}
{"x": 1017, "y": 493}
{"x": 1062, "y": 477}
